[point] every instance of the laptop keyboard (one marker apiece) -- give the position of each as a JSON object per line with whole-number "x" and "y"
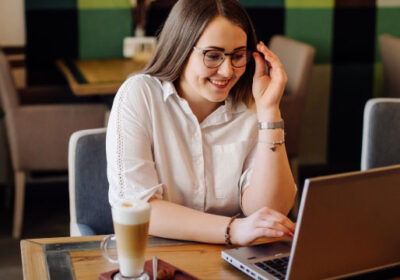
{"x": 276, "y": 267}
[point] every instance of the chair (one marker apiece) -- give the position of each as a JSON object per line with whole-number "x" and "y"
{"x": 381, "y": 133}
{"x": 390, "y": 54}
{"x": 90, "y": 211}
{"x": 38, "y": 135}
{"x": 297, "y": 58}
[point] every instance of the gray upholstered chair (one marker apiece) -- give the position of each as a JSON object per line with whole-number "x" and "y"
{"x": 38, "y": 134}
{"x": 90, "y": 211}
{"x": 381, "y": 133}
{"x": 297, "y": 58}
{"x": 390, "y": 54}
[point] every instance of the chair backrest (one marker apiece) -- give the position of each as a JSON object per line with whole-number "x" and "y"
{"x": 390, "y": 54}
{"x": 90, "y": 211}
{"x": 8, "y": 91}
{"x": 381, "y": 133}
{"x": 297, "y": 58}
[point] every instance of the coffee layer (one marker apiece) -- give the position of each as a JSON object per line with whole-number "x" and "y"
{"x": 131, "y": 246}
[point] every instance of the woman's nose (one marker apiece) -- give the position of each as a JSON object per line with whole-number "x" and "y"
{"x": 226, "y": 68}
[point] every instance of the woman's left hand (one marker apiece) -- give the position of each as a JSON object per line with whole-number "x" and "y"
{"x": 264, "y": 222}
{"x": 268, "y": 87}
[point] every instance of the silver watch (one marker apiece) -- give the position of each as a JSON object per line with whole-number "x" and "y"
{"x": 271, "y": 125}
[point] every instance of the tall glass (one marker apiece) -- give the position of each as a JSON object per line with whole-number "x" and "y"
{"x": 131, "y": 225}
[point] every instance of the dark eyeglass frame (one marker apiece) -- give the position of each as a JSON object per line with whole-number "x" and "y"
{"x": 204, "y": 52}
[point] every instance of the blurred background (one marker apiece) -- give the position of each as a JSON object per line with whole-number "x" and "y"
{"x": 346, "y": 72}
{"x": 347, "y": 69}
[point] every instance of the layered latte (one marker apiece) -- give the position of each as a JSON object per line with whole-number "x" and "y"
{"x": 131, "y": 224}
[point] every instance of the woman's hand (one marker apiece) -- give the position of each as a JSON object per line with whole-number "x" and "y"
{"x": 265, "y": 222}
{"x": 268, "y": 88}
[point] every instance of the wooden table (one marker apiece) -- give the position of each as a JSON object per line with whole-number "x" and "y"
{"x": 98, "y": 76}
{"x": 80, "y": 257}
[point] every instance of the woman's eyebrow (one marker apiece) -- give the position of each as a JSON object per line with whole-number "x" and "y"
{"x": 222, "y": 49}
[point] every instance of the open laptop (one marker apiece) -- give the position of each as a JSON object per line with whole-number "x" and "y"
{"x": 348, "y": 224}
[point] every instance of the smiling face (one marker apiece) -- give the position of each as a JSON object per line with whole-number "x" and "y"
{"x": 205, "y": 88}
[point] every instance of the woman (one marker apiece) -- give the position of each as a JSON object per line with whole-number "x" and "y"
{"x": 184, "y": 134}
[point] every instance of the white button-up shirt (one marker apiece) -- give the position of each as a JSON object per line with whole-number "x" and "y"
{"x": 157, "y": 148}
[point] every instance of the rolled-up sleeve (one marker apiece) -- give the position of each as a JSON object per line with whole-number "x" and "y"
{"x": 131, "y": 169}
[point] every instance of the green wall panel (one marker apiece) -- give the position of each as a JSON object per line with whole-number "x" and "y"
{"x": 50, "y": 4}
{"x": 101, "y": 32}
{"x": 310, "y": 3}
{"x": 104, "y": 4}
{"x": 313, "y": 26}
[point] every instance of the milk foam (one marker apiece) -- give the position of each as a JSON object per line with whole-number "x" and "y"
{"x": 131, "y": 212}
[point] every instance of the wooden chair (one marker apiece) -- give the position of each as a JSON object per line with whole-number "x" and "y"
{"x": 38, "y": 135}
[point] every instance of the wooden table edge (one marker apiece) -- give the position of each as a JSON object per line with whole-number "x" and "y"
{"x": 33, "y": 260}
{"x": 86, "y": 89}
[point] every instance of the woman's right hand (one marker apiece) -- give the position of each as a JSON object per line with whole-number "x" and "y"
{"x": 265, "y": 222}
{"x": 268, "y": 87}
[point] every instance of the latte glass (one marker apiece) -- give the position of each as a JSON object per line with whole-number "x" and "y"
{"x": 131, "y": 225}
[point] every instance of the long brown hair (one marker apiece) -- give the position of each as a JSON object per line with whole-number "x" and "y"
{"x": 183, "y": 28}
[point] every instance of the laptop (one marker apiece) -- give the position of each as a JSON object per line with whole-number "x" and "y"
{"x": 348, "y": 224}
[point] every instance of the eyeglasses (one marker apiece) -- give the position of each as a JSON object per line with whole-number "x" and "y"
{"x": 214, "y": 58}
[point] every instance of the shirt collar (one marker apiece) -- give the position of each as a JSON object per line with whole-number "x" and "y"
{"x": 168, "y": 89}
{"x": 222, "y": 114}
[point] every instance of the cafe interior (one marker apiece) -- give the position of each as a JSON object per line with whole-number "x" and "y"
{"x": 62, "y": 62}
